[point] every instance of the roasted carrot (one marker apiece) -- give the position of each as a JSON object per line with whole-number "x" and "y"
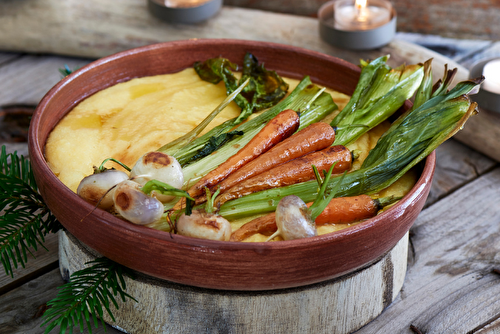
{"x": 340, "y": 210}
{"x": 263, "y": 225}
{"x": 291, "y": 172}
{"x": 280, "y": 127}
{"x": 315, "y": 137}
{"x": 343, "y": 210}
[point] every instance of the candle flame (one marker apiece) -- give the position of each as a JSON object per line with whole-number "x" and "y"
{"x": 360, "y": 4}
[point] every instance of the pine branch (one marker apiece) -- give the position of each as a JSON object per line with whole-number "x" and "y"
{"x": 25, "y": 219}
{"x": 81, "y": 300}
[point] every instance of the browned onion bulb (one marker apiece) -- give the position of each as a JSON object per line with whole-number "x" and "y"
{"x": 97, "y": 189}
{"x": 134, "y": 205}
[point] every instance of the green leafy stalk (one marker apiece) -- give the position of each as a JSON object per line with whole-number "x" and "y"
{"x": 164, "y": 189}
{"x": 379, "y": 93}
{"x": 304, "y": 98}
{"x": 409, "y": 140}
{"x": 83, "y": 298}
{"x": 265, "y": 87}
{"x": 214, "y": 143}
{"x": 25, "y": 219}
{"x": 101, "y": 168}
{"x": 321, "y": 201}
{"x": 184, "y": 156}
{"x": 209, "y": 206}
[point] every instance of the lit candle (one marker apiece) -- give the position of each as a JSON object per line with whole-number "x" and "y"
{"x": 491, "y": 72}
{"x": 184, "y": 3}
{"x": 357, "y": 15}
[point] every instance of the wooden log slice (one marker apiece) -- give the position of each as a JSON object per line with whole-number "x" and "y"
{"x": 341, "y": 305}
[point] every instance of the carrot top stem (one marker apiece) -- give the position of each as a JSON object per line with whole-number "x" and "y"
{"x": 209, "y": 206}
{"x": 164, "y": 189}
{"x": 102, "y": 168}
{"x": 321, "y": 200}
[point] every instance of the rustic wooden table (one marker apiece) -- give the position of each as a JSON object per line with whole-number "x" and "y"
{"x": 453, "y": 279}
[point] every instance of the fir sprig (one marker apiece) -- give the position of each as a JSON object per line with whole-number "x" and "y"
{"x": 25, "y": 218}
{"x": 80, "y": 301}
{"x": 66, "y": 70}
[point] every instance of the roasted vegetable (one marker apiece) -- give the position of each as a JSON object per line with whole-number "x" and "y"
{"x": 292, "y": 172}
{"x": 315, "y": 137}
{"x": 294, "y": 220}
{"x": 280, "y": 127}
{"x": 379, "y": 93}
{"x": 266, "y": 88}
{"x": 204, "y": 224}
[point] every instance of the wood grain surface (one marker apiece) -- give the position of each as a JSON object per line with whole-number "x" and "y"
{"x": 41, "y": 262}
{"x": 450, "y": 285}
{"x": 21, "y": 309}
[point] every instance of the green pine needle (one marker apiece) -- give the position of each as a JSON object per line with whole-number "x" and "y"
{"x": 66, "y": 70}
{"x": 81, "y": 301}
{"x": 25, "y": 219}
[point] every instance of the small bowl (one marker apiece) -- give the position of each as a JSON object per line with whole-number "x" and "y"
{"x": 206, "y": 263}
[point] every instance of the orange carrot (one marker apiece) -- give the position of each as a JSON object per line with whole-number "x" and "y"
{"x": 340, "y": 210}
{"x": 315, "y": 137}
{"x": 291, "y": 172}
{"x": 343, "y": 210}
{"x": 263, "y": 225}
{"x": 280, "y": 127}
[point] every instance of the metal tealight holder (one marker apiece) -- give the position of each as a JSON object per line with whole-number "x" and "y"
{"x": 362, "y": 39}
{"x": 184, "y": 11}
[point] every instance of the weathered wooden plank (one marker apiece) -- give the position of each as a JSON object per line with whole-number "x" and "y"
{"x": 493, "y": 50}
{"x": 492, "y": 327}
{"x": 450, "y": 287}
{"x": 456, "y": 165}
{"x": 26, "y": 79}
{"x": 482, "y": 131}
{"x": 21, "y": 309}
{"x": 42, "y": 262}
{"x": 8, "y": 56}
{"x": 455, "y": 49}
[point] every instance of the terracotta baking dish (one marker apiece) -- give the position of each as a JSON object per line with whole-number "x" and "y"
{"x": 205, "y": 263}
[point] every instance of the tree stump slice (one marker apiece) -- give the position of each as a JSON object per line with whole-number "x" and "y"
{"x": 341, "y": 305}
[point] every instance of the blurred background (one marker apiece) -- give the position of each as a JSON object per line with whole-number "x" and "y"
{"x": 477, "y": 19}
